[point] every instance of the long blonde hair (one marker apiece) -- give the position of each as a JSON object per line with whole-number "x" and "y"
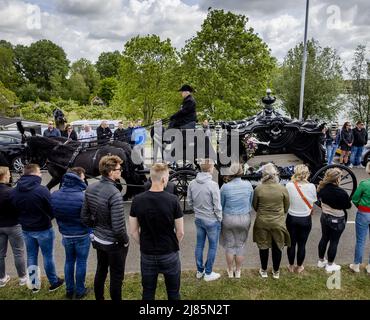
{"x": 301, "y": 173}
{"x": 331, "y": 176}
{"x": 269, "y": 173}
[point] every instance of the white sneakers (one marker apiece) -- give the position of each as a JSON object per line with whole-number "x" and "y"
{"x": 276, "y": 274}
{"x": 238, "y": 274}
{"x": 230, "y": 274}
{"x": 263, "y": 273}
{"x": 212, "y": 276}
{"x": 23, "y": 281}
{"x": 328, "y": 267}
{"x": 355, "y": 267}
{"x": 4, "y": 281}
{"x": 208, "y": 277}
{"x": 332, "y": 267}
{"x": 322, "y": 263}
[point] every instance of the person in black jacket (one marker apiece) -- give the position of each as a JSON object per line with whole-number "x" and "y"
{"x": 346, "y": 141}
{"x": 186, "y": 117}
{"x": 334, "y": 203}
{"x": 10, "y": 231}
{"x": 359, "y": 141}
{"x": 69, "y": 133}
{"x": 32, "y": 201}
{"x": 103, "y": 133}
{"x": 119, "y": 133}
{"x": 103, "y": 211}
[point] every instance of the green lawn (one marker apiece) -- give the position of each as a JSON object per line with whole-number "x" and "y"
{"x": 310, "y": 285}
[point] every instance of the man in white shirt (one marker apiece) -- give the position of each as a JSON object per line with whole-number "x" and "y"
{"x": 87, "y": 135}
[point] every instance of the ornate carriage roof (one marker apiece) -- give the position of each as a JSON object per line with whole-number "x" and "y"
{"x": 303, "y": 138}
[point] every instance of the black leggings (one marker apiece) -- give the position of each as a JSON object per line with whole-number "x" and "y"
{"x": 276, "y": 257}
{"x": 299, "y": 229}
{"x": 332, "y": 229}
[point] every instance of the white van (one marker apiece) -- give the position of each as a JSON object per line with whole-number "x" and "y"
{"x": 79, "y": 124}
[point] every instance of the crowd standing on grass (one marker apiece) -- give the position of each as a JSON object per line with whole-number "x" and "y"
{"x": 95, "y": 215}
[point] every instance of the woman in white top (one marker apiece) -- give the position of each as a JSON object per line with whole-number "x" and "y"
{"x": 302, "y": 195}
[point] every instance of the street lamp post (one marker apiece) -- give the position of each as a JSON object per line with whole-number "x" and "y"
{"x": 303, "y": 75}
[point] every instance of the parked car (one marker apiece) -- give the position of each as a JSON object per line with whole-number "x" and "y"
{"x": 12, "y": 148}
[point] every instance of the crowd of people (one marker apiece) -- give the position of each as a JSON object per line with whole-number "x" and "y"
{"x": 134, "y": 133}
{"x": 350, "y": 141}
{"x": 94, "y": 215}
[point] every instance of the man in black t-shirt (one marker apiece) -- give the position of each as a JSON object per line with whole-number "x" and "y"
{"x": 156, "y": 223}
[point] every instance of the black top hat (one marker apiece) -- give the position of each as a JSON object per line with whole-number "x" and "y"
{"x": 186, "y": 87}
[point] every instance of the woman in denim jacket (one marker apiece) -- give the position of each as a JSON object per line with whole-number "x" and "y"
{"x": 236, "y": 201}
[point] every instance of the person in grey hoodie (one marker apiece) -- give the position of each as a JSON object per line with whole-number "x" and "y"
{"x": 204, "y": 198}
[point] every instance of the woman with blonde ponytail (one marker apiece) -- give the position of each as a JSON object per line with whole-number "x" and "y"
{"x": 334, "y": 202}
{"x": 302, "y": 195}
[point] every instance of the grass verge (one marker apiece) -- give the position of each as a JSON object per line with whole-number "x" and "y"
{"x": 311, "y": 285}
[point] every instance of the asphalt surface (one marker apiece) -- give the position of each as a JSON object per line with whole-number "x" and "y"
{"x": 344, "y": 256}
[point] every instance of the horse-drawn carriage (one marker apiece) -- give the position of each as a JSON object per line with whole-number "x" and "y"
{"x": 270, "y": 137}
{"x": 265, "y": 137}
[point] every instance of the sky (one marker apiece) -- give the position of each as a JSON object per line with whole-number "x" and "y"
{"x": 85, "y": 28}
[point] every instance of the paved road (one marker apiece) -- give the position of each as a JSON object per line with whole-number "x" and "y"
{"x": 345, "y": 251}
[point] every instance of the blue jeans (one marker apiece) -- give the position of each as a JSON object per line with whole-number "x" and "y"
{"x": 356, "y": 153}
{"x": 167, "y": 264}
{"x": 44, "y": 240}
{"x": 330, "y": 152}
{"x": 77, "y": 251}
{"x": 362, "y": 229}
{"x": 211, "y": 230}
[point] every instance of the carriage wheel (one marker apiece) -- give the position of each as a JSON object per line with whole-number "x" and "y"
{"x": 348, "y": 182}
{"x": 181, "y": 179}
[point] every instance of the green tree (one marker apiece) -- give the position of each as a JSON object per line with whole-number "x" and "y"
{"x": 146, "y": 87}
{"x": 107, "y": 89}
{"x": 77, "y": 88}
{"x": 28, "y": 92}
{"x": 7, "y": 99}
{"x": 91, "y": 77}
{"x": 8, "y": 72}
{"x": 228, "y": 64}
{"x": 108, "y": 64}
{"x": 323, "y": 83}
{"x": 359, "y": 90}
{"x": 40, "y": 62}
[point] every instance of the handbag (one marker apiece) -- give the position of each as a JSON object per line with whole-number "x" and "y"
{"x": 304, "y": 198}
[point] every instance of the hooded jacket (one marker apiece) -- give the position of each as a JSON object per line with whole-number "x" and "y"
{"x": 32, "y": 201}
{"x": 359, "y": 137}
{"x": 204, "y": 197}
{"x": 8, "y": 214}
{"x": 67, "y": 204}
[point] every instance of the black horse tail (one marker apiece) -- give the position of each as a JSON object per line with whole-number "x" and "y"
{"x": 21, "y": 130}
{"x": 20, "y": 127}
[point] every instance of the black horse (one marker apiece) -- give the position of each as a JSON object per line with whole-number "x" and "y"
{"x": 59, "y": 119}
{"x": 61, "y": 154}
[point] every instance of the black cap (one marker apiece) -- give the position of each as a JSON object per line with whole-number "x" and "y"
{"x": 186, "y": 87}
